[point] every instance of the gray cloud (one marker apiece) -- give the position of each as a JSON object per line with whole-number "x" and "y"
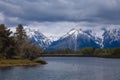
{"x": 27, "y": 11}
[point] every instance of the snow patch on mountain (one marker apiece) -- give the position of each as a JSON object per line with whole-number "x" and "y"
{"x": 53, "y": 38}
{"x": 73, "y": 32}
{"x": 112, "y": 34}
{"x": 99, "y": 37}
{"x": 37, "y": 37}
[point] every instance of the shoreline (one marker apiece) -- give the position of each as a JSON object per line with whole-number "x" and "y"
{"x": 78, "y": 55}
{"x": 26, "y": 62}
{"x": 14, "y": 62}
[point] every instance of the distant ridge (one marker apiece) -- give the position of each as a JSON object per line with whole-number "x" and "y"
{"x": 76, "y": 39}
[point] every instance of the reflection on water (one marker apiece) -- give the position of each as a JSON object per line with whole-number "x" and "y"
{"x": 66, "y": 68}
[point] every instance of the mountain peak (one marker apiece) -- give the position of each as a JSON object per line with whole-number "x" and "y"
{"x": 37, "y": 37}
{"x": 73, "y": 32}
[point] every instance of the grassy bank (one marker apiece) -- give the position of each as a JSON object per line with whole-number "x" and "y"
{"x": 15, "y": 62}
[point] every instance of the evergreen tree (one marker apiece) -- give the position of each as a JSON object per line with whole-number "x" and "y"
{"x": 7, "y": 42}
{"x": 20, "y": 37}
{"x": 20, "y": 34}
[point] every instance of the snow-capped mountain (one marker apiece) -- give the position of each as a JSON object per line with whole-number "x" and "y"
{"x": 111, "y": 38}
{"x": 37, "y": 37}
{"x": 76, "y": 39}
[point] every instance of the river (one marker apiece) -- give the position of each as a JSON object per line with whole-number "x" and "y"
{"x": 66, "y": 68}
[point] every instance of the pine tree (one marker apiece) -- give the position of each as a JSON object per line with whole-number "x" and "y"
{"x": 20, "y": 37}
{"x": 20, "y": 34}
{"x": 7, "y": 42}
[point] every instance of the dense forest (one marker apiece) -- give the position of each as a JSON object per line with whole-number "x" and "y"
{"x": 16, "y": 45}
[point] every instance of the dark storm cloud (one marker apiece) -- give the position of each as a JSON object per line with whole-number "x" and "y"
{"x": 27, "y": 11}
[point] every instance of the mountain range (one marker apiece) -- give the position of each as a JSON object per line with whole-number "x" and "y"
{"x": 76, "y": 39}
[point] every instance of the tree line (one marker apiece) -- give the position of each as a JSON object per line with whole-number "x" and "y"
{"x": 89, "y": 51}
{"x": 100, "y": 52}
{"x": 17, "y": 45}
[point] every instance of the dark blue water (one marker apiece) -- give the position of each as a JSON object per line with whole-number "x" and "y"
{"x": 66, "y": 68}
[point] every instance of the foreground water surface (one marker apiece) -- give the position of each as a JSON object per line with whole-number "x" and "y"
{"x": 66, "y": 68}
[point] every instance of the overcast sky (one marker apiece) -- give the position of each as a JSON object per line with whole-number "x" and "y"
{"x": 54, "y": 17}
